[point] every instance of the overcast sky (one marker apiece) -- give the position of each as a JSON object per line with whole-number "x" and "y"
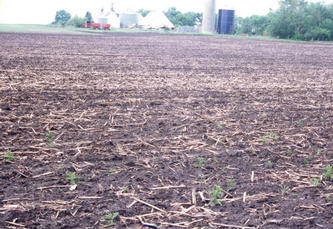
{"x": 43, "y": 11}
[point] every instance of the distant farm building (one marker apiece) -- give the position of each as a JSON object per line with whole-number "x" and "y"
{"x": 156, "y": 20}
{"x": 109, "y": 17}
{"x": 129, "y": 20}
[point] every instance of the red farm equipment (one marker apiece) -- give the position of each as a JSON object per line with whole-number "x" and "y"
{"x": 97, "y": 26}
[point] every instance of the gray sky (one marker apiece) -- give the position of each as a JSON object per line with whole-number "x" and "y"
{"x": 43, "y": 11}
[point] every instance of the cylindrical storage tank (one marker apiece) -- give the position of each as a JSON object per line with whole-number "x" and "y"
{"x": 102, "y": 20}
{"x": 128, "y": 19}
{"x": 226, "y": 22}
{"x": 208, "y": 22}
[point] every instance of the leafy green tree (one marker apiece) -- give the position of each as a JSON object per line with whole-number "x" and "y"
{"x": 62, "y": 17}
{"x": 77, "y": 21}
{"x": 143, "y": 12}
{"x": 301, "y": 20}
{"x": 173, "y": 14}
{"x": 255, "y": 25}
{"x": 186, "y": 19}
{"x": 288, "y": 21}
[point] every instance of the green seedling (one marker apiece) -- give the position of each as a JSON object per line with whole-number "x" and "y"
{"x": 306, "y": 160}
{"x": 201, "y": 162}
{"x": 201, "y": 176}
{"x": 289, "y": 152}
{"x": 111, "y": 217}
{"x": 300, "y": 123}
{"x": 273, "y": 135}
{"x": 216, "y": 194}
{"x": 124, "y": 189}
{"x": 322, "y": 119}
{"x": 284, "y": 189}
{"x": 231, "y": 184}
{"x": 111, "y": 171}
{"x": 214, "y": 160}
{"x": 319, "y": 152}
{"x": 9, "y": 156}
{"x": 315, "y": 182}
{"x": 219, "y": 126}
{"x": 263, "y": 138}
{"x": 327, "y": 198}
{"x": 71, "y": 176}
{"x": 224, "y": 169}
{"x": 269, "y": 164}
{"x": 328, "y": 173}
{"x": 50, "y": 139}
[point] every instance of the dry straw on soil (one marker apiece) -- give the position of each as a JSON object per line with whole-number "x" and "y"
{"x": 148, "y": 125}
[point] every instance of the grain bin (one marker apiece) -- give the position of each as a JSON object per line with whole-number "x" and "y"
{"x": 102, "y": 20}
{"x": 226, "y": 21}
{"x": 208, "y": 22}
{"x": 128, "y": 20}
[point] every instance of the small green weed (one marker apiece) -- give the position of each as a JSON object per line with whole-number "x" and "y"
{"x": 110, "y": 218}
{"x": 273, "y": 135}
{"x": 284, "y": 189}
{"x": 270, "y": 135}
{"x": 289, "y": 152}
{"x": 328, "y": 198}
{"x": 219, "y": 126}
{"x": 231, "y": 184}
{"x": 263, "y": 138}
{"x": 124, "y": 189}
{"x": 201, "y": 162}
{"x": 224, "y": 169}
{"x": 201, "y": 176}
{"x": 216, "y": 194}
{"x": 9, "y": 156}
{"x": 307, "y": 159}
{"x": 269, "y": 164}
{"x": 71, "y": 176}
{"x": 328, "y": 172}
{"x": 111, "y": 171}
{"x": 214, "y": 161}
{"x": 315, "y": 182}
{"x": 319, "y": 152}
{"x": 50, "y": 139}
{"x": 300, "y": 123}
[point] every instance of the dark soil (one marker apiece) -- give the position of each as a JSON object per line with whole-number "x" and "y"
{"x": 152, "y": 123}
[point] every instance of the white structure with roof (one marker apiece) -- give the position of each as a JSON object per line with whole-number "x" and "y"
{"x": 109, "y": 17}
{"x": 156, "y": 20}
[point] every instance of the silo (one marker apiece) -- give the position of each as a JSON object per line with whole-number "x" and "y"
{"x": 226, "y": 21}
{"x": 208, "y": 22}
{"x": 128, "y": 19}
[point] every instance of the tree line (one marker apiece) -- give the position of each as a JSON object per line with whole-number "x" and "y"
{"x": 65, "y": 18}
{"x": 294, "y": 19}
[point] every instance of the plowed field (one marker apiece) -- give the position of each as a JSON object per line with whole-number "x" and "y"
{"x": 178, "y": 131}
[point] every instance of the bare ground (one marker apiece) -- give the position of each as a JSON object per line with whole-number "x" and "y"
{"x": 151, "y": 124}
